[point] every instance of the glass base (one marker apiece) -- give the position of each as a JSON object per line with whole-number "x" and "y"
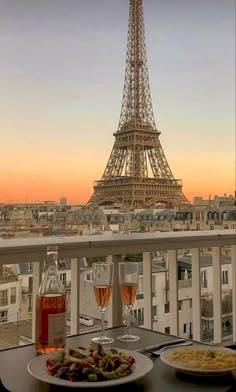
{"x": 128, "y": 338}
{"x": 102, "y": 340}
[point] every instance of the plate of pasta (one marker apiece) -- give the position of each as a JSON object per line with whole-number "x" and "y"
{"x": 203, "y": 360}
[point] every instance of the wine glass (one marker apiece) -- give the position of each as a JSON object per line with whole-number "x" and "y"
{"x": 102, "y": 284}
{"x": 128, "y": 280}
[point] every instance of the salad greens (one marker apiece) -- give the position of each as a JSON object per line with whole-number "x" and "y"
{"x": 92, "y": 364}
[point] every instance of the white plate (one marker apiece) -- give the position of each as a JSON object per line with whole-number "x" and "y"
{"x": 166, "y": 358}
{"x": 142, "y": 366}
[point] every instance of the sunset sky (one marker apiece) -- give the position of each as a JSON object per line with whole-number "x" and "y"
{"x": 61, "y": 82}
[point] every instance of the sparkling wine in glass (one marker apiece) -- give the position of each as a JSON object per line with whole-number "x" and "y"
{"x": 102, "y": 284}
{"x": 128, "y": 280}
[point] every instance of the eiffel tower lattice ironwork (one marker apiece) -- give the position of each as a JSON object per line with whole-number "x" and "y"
{"x": 137, "y": 173}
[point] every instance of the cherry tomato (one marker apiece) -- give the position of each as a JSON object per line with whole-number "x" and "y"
{"x": 131, "y": 360}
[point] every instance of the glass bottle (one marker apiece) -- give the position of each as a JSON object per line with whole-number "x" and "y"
{"x": 50, "y": 334}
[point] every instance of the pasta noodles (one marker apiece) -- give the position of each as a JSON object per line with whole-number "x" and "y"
{"x": 210, "y": 359}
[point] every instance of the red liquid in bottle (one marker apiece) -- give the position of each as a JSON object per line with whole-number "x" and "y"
{"x": 50, "y": 323}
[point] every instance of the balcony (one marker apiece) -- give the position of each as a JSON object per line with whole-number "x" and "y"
{"x": 114, "y": 247}
{"x": 184, "y": 283}
{"x": 141, "y": 295}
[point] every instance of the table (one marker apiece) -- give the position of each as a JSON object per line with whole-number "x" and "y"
{"x": 14, "y": 374}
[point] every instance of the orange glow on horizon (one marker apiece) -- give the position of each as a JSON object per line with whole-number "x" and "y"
{"x": 33, "y": 178}
{"x": 79, "y": 195}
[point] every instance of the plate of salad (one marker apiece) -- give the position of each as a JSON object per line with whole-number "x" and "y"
{"x": 90, "y": 367}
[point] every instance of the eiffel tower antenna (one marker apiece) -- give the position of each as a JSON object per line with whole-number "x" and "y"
{"x": 137, "y": 173}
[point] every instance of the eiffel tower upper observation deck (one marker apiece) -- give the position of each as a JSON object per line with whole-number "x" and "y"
{"x": 137, "y": 174}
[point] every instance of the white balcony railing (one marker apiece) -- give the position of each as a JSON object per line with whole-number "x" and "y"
{"x": 115, "y": 246}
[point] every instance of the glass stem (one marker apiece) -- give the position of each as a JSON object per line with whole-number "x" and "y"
{"x": 128, "y": 321}
{"x": 102, "y": 323}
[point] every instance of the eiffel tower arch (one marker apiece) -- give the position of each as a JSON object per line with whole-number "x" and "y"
{"x": 137, "y": 174}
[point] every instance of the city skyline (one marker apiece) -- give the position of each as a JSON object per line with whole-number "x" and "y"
{"x": 62, "y": 78}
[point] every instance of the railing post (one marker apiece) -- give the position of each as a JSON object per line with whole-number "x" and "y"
{"x": 233, "y": 260}
{"x": 173, "y": 289}
{"x": 115, "y": 315}
{"x": 147, "y": 283}
{"x": 217, "y": 295}
{"x": 196, "y": 294}
{"x": 75, "y": 296}
{"x": 37, "y": 276}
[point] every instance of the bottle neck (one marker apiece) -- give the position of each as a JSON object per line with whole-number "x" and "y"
{"x": 51, "y": 265}
{"x": 51, "y": 282}
{"x": 51, "y": 259}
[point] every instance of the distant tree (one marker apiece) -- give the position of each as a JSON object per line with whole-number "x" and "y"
{"x": 227, "y": 303}
{"x": 142, "y": 228}
{"x": 133, "y": 257}
{"x": 207, "y": 306}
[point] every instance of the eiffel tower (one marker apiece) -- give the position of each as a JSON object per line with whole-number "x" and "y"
{"x": 137, "y": 174}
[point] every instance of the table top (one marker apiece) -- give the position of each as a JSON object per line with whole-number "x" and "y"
{"x": 15, "y": 377}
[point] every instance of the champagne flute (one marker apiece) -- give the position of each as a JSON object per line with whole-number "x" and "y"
{"x": 128, "y": 280}
{"x": 102, "y": 284}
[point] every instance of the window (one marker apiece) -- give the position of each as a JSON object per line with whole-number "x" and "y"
{"x": 63, "y": 278}
{"x": 227, "y": 326}
{"x": 61, "y": 264}
{"x": 167, "y": 307}
{"x": 185, "y": 328}
{"x": 29, "y": 267}
{"x": 153, "y": 284}
{"x": 140, "y": 296}
{"x": 224, "y": 277}
{"x": 190, "y": 303}
{"x": 190, "y": 328}
{"x": 212, "y": 227}
{"x": 180, "y": 304}
{"x": 167, "y": 330}
{"x": 30, "y": 304}
{"x": 154, "y": 311}
{"x": 89, "y": 276}
{"x": 204, "y": 279}
{"x": 227, "y": 252}
{"x": 3, "y": 316}
{"x": 138, "y": 316}
{"x": 12, "y": 295}
{"x": 206, "y": 325}
{"x": 3, "y": 297}
{"x": 140, "y": 293}
{"x": 30, "y": 284}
